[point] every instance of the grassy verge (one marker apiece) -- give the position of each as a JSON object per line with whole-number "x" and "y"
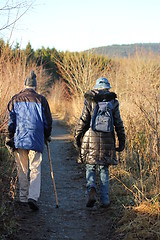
{"x": 7, "y": 222}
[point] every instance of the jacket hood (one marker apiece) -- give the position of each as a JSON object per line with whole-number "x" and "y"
{"x": 100, "y": 95}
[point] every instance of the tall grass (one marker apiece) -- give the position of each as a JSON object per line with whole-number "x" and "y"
{"x": 139, "y": 101}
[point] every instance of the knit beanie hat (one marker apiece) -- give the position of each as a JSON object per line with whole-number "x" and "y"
{"x": 102, "y": 83}
{"x": 31, "y": 80}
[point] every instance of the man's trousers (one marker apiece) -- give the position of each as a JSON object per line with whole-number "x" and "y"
{"x": 29, "y": 173}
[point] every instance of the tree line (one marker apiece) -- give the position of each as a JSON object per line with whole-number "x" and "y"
{"x": 51, "y": 59}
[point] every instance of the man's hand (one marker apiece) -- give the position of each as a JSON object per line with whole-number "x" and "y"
{"x": 47, "y": 140}
{"x": 120, "y": 148}
{"x": 9, "y": 143}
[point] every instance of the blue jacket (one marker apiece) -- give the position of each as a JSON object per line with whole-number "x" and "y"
{"x": 30, "y": 120}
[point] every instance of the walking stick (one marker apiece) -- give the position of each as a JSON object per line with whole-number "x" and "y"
{"x": 54, "y": 185}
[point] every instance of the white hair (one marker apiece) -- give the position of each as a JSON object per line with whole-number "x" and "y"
{"x": 34, "y": 88}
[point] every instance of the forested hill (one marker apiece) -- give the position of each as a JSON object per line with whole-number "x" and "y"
{"x": 126, "y": 50}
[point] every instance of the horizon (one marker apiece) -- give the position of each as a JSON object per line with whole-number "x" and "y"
{"x": 112, "y": 45}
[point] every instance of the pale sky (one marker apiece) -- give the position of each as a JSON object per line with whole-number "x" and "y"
{"x": 77, "y": 25}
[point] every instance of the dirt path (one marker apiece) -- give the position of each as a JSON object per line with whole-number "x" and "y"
{"x": 72, "y": 220}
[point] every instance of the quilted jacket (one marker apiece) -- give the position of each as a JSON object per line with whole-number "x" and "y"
{"x": 99, "y": 147}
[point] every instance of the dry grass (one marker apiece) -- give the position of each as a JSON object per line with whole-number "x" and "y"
{"x": 142, "y": 222}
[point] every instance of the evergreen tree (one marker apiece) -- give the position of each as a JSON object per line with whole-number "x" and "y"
{"x": 29, "y": 53}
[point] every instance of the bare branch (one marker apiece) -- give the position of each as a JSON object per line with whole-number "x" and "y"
{"x": 18, "y": 7}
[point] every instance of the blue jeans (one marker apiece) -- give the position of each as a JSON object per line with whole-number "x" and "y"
{"x": 103, "y": 172}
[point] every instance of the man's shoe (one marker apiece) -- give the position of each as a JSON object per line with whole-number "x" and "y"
{"x": 91, "y": 198}
{"x": 33, "y": 204}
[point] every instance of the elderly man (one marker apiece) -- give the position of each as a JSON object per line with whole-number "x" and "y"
{"x": 30, "y": 124}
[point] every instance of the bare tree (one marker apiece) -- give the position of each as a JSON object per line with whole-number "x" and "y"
{"x": 80, "y": 70}
{"x": 11, "y": 11}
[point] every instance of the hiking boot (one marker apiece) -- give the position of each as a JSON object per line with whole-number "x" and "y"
{"x": 91, "y": 198}
{"x": 33, "y": 204}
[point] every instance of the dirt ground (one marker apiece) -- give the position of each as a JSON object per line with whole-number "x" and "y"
{"x": 72, "y": 220}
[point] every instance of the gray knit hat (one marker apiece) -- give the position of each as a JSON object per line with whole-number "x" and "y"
{"x": 102, "y": 83}
{"x": 31, "y": 80}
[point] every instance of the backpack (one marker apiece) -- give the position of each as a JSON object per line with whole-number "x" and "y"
{"x": 102, "y": 118}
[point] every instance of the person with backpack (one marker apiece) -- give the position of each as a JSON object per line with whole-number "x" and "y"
{"x": 95, "y": 138}
{"x": 30, "y": 124}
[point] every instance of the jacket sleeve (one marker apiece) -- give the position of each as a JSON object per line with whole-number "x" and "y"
{"x": 118, "y": 123}
{"x": 83, "y": 124}
{"x": 47, "y": 118}
{"x": 12, "y": 120}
